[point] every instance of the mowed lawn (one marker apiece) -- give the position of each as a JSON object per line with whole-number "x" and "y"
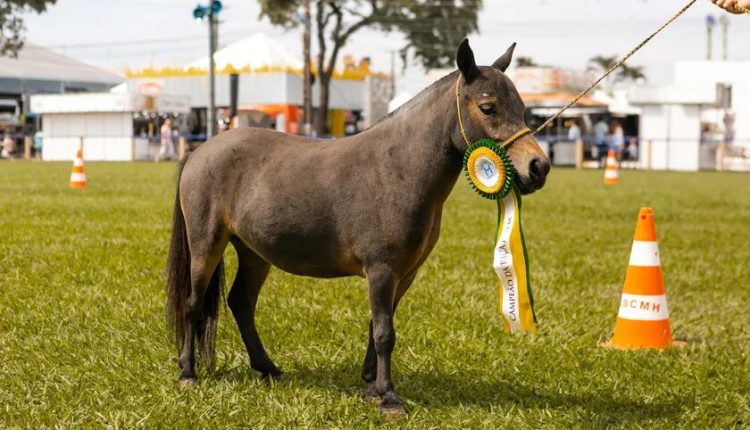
{"x": 83, "y": 341}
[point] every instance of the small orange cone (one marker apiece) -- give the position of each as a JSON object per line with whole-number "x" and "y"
{"x": 611, "y": 176}
{"x": 78, "y": 175}
{"x": 643, "y": 320}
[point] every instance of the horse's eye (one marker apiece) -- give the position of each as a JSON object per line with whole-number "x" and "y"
{"x": 487, "y": 109}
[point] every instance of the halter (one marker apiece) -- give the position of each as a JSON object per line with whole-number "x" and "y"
{"x": 507, "y": 142}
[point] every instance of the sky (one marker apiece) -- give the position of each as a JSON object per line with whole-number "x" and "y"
{"x": 135, "y": 33}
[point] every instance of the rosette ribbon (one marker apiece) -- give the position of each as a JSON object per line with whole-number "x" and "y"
{"x": 491, "y": 175}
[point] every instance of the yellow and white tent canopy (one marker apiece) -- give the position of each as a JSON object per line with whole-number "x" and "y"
{"x": 255, "y": 52}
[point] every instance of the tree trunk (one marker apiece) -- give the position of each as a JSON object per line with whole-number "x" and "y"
{"x": 321, "y": 116}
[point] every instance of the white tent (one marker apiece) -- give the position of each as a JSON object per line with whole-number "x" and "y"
{"x": 255, "y": 52}
{"x": 40, "y": 70}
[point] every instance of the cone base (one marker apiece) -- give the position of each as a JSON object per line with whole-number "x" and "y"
{"x": 611, "y": 181}
{"x": 609, "y": 345}
{"x": 78, "y": 185}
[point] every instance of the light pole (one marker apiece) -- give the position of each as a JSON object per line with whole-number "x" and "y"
{"x": 210, "y": 11}
{"x": 710, "y": 24}
{"x": 724, "y": 21}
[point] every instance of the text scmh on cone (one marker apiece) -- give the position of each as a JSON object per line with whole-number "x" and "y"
{"x": 643, "y": 318}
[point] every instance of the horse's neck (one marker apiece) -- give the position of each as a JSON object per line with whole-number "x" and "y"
{"x": 417, "y": 140}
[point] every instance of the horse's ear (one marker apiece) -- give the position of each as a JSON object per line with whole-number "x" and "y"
{"x": 503, "y": 62}
{"x": 465, "y": 61}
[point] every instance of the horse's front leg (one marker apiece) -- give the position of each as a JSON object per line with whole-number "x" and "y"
{"x": 370, "y": 364}
{"x": 383, "y": 283}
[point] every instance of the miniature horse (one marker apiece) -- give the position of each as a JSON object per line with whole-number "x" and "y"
{"x": 367, "y": 205}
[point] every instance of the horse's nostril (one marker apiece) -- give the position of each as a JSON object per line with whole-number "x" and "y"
{"x": 539, "y": 168}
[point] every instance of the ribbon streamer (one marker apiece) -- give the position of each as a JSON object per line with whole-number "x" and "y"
{"x": 516, "y": 301}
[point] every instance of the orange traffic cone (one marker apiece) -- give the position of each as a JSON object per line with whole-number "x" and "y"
{"x": 78, "y": 175}
{"x": 610, "y": 170}
{"x": 643, "y": 320}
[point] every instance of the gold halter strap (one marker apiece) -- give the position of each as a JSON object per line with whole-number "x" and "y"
{"x": 507, "y": 142}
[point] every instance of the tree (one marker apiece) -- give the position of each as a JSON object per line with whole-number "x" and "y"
{"x": 11, "y": 23}
{"x": 600, "y": 64}
{"x": 433, "y": 30}
{"x": 632, "y": 73}
{"x": 526, "y": 62}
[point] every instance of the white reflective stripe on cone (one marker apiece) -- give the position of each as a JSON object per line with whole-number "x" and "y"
{"x": 78, "y": 162}
{"x": 643, "y": 308}
{"x": 77, "y": 177}
{"x": 645, "y": 254}
{"x": 610, "y": 174}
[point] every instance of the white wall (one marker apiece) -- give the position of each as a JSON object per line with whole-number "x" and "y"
{"x": 673, "y": 134}
{"x": 107, "y": 136}
{"x": 735, "y": 73}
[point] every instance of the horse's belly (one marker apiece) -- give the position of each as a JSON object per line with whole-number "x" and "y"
{"x": 310, "y": 268}
{"x": 300, "y": 252}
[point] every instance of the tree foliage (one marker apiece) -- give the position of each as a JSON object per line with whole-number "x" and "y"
{"x": 602, "y": 63}
{"x": 433, "y": 29}
{"x": 11, "y": 23}
{"x": 526, "y": 62}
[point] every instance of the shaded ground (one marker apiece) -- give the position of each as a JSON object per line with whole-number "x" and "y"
{"x": 83, "y": 340}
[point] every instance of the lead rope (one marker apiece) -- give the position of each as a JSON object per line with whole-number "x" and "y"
{"x": 510, "y": 262}
{"x": 580, "y": 95}
{"x": 618, "y": 64}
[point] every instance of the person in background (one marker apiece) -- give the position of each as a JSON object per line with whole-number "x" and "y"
{"x": 574, "y": 132}
{"x": 38, "y": 142}
{"x": 166, "y": 149}
{"x": 600, "y": 139}
{"x": 632, "y": 149}
{"x": 705, "y": 134}
{"x": 9, "y": 145}
{"x": 729, "y": 129}
{"x": 618, "y": 139}
{"x": 731, "y": 5}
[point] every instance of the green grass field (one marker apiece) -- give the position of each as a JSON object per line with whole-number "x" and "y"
{"x": 83, "y": 342}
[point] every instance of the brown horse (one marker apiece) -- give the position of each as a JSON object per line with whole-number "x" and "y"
{"x": 367, "y": 205}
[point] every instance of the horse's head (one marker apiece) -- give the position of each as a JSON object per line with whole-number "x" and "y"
{"x": 491, "y": 107}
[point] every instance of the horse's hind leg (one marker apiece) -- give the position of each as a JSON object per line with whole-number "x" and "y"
{"x": 203, "y": 264}
{"x": 243, "y": 297}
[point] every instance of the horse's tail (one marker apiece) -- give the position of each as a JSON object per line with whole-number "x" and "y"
{"x": 179, "y": 287}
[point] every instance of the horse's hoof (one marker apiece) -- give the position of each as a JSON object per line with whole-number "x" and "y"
{"x": 391, "y": 406}
{"x": 393, "y": 412}
{"x": 188, "y": 383}
{"x": 273, "y": 376}
{"x": 372, "y": 396}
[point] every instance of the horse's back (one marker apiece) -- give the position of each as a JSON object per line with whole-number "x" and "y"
{"x": 280, "y": 194}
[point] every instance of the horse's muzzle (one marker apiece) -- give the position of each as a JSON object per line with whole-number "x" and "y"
{"x": 538, "y": 169}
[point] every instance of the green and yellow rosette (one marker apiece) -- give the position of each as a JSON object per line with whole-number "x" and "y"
{"x": 491, "y": 174}
{"x": 488, "y": 169}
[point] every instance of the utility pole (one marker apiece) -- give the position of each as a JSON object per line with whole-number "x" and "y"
{"x": 724, "y": 21}
{"x": 393, "y": 73}
{"x": 307, "y": 127}
{"x": 211, "y": 126}
{"x": 710, "y": 23}
{"x": 211, "y": 11}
